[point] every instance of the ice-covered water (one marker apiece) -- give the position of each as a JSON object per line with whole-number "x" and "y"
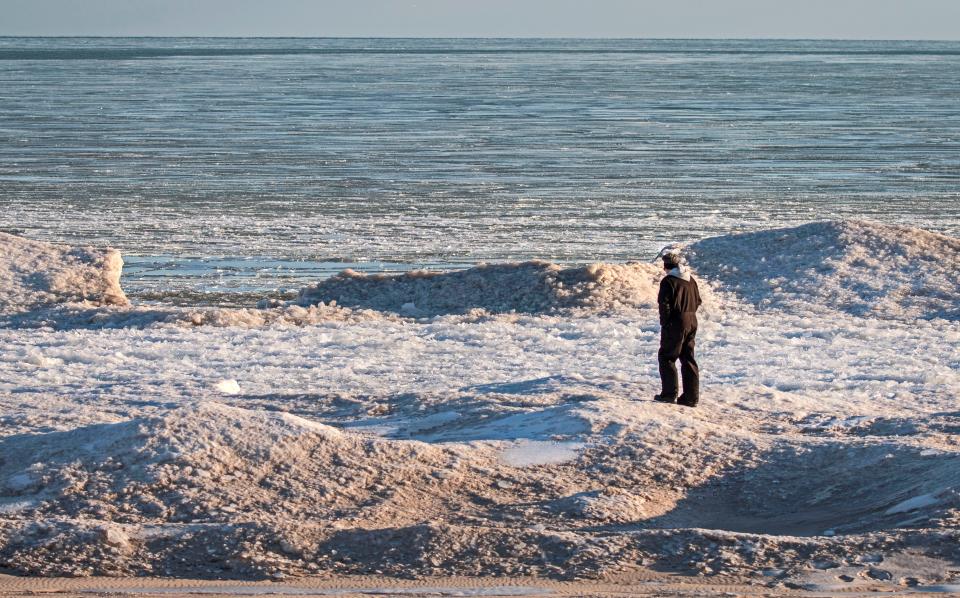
{"x": 250, "y": 165}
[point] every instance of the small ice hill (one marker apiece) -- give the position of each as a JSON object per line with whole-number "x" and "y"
{"x": 205, "y": 462}
{"x": 527, "y": 287}
{"x": 856, "y": 267}
{"x": 35, "y": 274}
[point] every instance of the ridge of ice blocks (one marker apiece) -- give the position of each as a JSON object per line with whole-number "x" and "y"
{"x": 34, "y": 274}
{"x": 531, "y": 287}
{"x": 856, "y": 267}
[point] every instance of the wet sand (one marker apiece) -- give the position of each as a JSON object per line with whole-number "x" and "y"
{"x": 635, "y": 583}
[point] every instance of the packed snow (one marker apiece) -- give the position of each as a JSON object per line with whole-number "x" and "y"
{"x": 493, "y": 421}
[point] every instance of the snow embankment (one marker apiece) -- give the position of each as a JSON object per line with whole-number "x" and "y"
{"x": 35, "y": 274}
{"x": 528, "y": 287}
{"x": 205, "y": 462}
{"x": 855, "y": 267}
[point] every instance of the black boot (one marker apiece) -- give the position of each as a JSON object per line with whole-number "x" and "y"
{"x": 687, "y": 402}
{"x": 663, "y": 399}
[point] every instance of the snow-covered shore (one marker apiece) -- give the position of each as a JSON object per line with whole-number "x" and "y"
{"x": 496, "y": 421}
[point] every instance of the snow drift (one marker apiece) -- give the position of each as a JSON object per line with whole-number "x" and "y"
{"x": 531, "y": 287}
{"x": 205, "y": 462}
{"x": 856, "y": 267}
{"x": 35, "y": 274}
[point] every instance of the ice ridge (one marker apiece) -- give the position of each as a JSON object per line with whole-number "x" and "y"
{"x": 527, "y": 287}
{"x": 855, "y": 267}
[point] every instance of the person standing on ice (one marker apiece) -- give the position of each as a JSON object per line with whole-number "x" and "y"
{"x": 678, "y": 300}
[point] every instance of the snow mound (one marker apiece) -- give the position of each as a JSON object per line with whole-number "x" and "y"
{"x": 528, "y": 287}
{"x": 33, "y": 273}
{"x": 207, "y": 463}
{"x": 855, "y": 267}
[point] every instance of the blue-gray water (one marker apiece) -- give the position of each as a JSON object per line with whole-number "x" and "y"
{"x": 260, "y": 163}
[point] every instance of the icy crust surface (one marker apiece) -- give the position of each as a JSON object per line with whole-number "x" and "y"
{"x": 531, "y": 287}
{"x": 861, "y": 268}
{"x": 34, "y": 274}
{"x": 364, "y": 441}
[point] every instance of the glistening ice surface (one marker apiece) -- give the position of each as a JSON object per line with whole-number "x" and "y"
{"x": 224, "y": 164}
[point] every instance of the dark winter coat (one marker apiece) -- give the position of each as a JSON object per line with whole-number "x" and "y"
{"x": 678, "y": 295}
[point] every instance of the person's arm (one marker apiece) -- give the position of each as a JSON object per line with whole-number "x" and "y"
{"x": 696, "y": 289}
{"x": 665, "y": 301}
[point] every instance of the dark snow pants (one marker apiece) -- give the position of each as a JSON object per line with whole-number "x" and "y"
{"x": 677, "y": 340}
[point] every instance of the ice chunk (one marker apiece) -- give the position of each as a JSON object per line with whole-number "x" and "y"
{"x": 528, "y": 453}
{"x": 21, "y": 482}
{"x": 33, "y": 274}
{"x": 912, "y": 504}
{"x": 409, "y": 309}
{"x": 228, "y": 387}
{"x": 12, "y": 508}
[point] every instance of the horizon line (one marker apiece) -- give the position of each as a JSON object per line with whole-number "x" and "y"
{"x": 492, "y": 37}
